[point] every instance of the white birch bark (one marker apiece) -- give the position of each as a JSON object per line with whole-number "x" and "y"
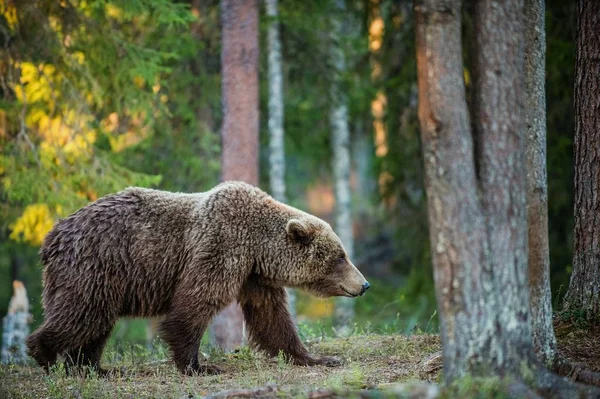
{"x": 276, "y": 142}
{"x": 338, "y": 119}
{"x": 276, "y": 107}
{"x": 15, "y": 327}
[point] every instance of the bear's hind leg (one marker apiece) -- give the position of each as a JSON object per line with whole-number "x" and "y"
{"x": 88, "y": 355}
{"x": 271, "y": 327}
{"x": 182, "y": 330}
{"x": 40, "y": 348}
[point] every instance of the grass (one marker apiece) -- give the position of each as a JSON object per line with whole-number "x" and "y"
{"x": 369, "y": 362}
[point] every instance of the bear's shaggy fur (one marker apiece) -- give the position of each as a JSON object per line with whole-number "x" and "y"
{"x": 185, "y": 257}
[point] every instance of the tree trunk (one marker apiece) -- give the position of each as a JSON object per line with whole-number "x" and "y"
{"x": 544, "y": 341}
{"x": 584, "y": 287}
{"x": 338, "y": 120}
{"x": 276, "y": 108}
{"x": 276, "y": 141}
{"x": 476, "y": 194}
{"x": 477, "y": 222}
{"x": 499, "y": 130}
{"x": 239, "y": 65}
{"x": 455, "y": 222}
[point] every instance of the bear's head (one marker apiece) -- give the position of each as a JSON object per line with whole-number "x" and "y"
{"x": 317, "y": 261}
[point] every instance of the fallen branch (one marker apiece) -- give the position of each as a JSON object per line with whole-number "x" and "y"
{"x": 405, "y": 390}
{"x": 244, "y": 393}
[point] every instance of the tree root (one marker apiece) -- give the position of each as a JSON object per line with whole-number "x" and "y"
{"x": 577, "y": 372}
{"x": 550, "y": 385}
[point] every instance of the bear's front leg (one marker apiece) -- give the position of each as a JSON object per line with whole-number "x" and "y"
{"x": 270, "y": 325}
{"x": 183, "y": 332}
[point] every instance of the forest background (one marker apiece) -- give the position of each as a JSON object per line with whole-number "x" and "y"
{"x": 98, "y": 96}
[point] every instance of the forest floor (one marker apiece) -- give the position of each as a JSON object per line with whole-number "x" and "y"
{"x": 369, "y": 362}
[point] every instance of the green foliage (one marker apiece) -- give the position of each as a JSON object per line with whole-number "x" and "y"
{"x": 75, "y": 73}
{"x": 578, "y": 318}
{"x": 95, "y": 97}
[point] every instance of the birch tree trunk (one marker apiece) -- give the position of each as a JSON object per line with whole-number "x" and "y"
{"x": 15, "y": 327}
{"x": 338, "y": 120}
{"x": 544, "y": 341}
{"x": 584, "y": 287}
{"x": 239, "y": 133}
{"x": 276, "y": 111}
{"x": 276, "y": 141}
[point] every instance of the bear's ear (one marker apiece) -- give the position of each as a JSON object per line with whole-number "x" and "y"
{"x": 298, "y": 231}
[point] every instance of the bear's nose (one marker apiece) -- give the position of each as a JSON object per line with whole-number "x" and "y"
{"x": 365, "y": 287}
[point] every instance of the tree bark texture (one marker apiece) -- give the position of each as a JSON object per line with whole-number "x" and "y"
{"x": 476, "y": 188}
{"x": 239, "y": 133}
{"x": 338, "y": 120}
{"x": 544, "y": 341}
{"x": 584, "y": 287}
{"x": 276, "y": 112}
{"x": 239, "y": 67}
{"x": 499, "y": 131}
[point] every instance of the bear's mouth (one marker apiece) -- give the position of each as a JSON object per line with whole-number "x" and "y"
{"x": 348, "y": 292}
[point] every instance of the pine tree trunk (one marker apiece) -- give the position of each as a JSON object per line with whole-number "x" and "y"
{"x": 239, "y": 65}
{"x": 338, "y": 120}
{"x": 544, "y": 341}
{"x": 584, "y": 287}
{"x": 476, "y": 195}
{"x": 276, "y": 109}
{"x": 477, "y": 220}
{"x": 499, "y": 130}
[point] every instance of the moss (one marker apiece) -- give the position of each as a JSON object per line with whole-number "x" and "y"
{"x": 477, "y": 387}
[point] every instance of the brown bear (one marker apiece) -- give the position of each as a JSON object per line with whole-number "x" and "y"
{"x": 143, "y": 253}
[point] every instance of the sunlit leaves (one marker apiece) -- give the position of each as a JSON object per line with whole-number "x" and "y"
{"x": 35, "y": 222}
{"x": 71, "y": 69}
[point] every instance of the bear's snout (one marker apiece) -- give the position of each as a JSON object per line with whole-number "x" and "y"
{"x": 365, "y": 287}
{"x": 353, "y": 284}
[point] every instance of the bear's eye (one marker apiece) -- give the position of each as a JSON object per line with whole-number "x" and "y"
{"x": 341, "y": 259}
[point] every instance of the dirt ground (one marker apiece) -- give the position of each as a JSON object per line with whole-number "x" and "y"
{"x": 369, "y": 362}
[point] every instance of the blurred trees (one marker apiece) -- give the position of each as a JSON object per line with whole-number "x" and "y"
{"x": 275, "y": 118}
{"x": 276, "y": 105}
{"x": 340, "y": 141}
